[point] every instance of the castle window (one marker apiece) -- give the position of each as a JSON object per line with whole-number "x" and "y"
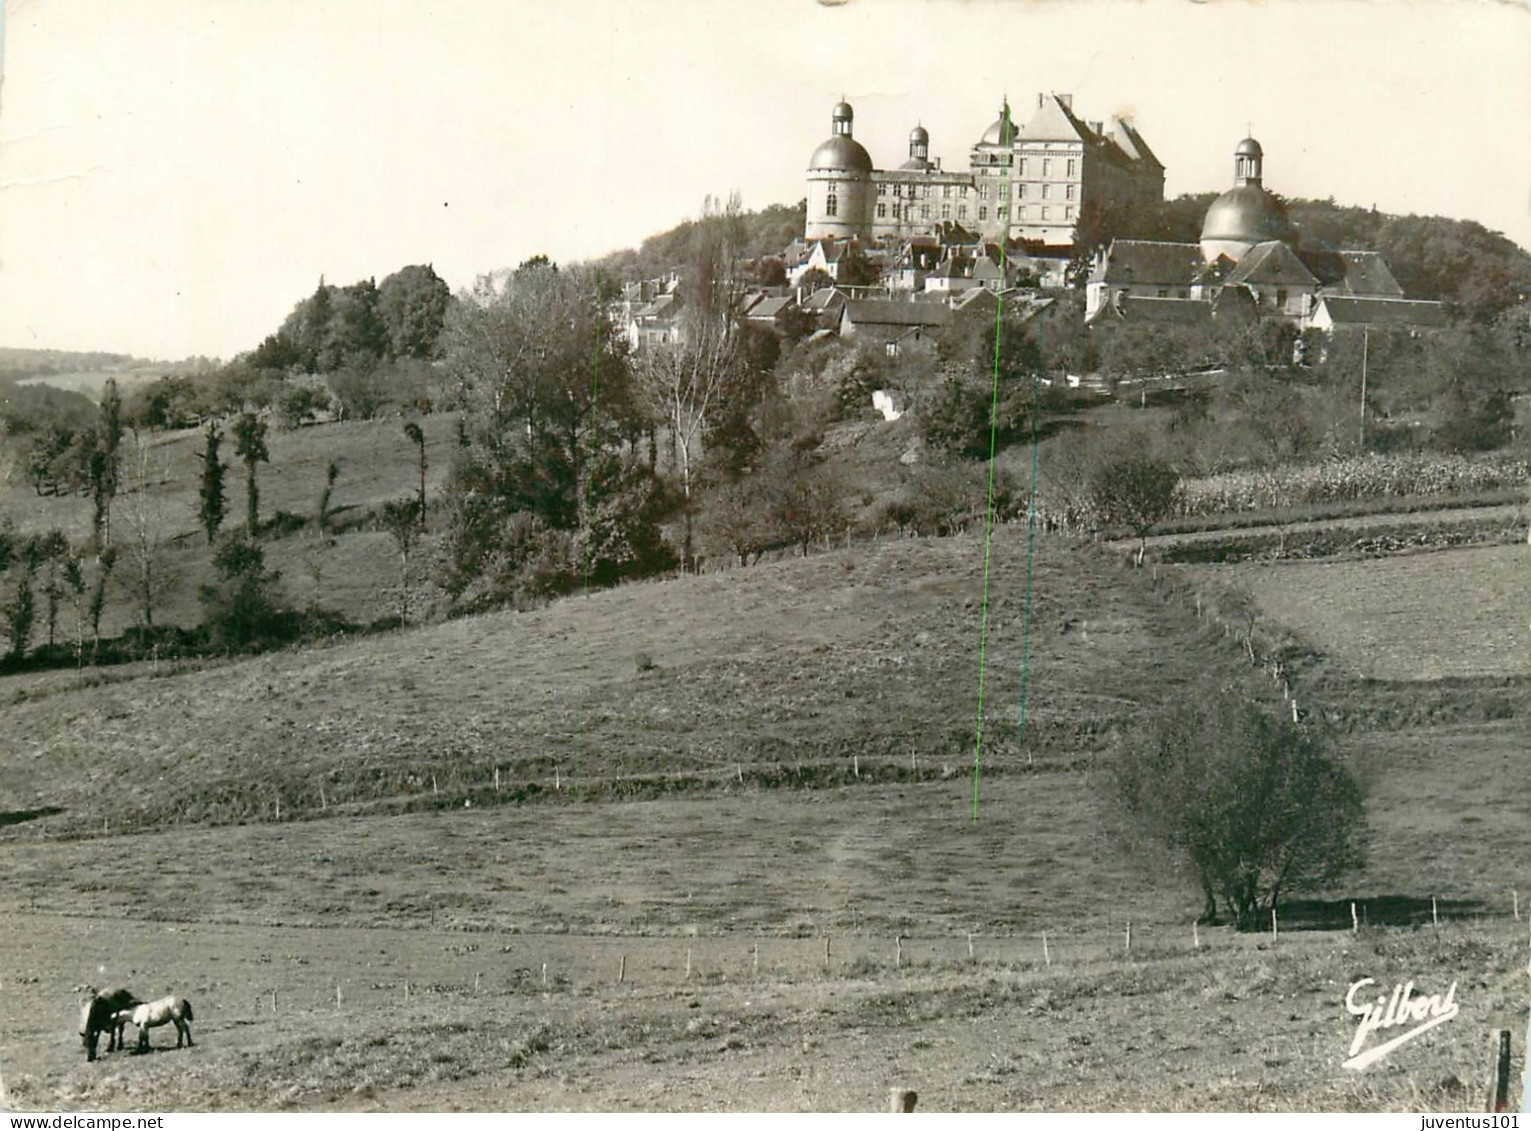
{"x": 962, "y": 190}
{"x": 832, "y": 205}
{"x": 962, "y": 211}
{"x": 983, "y": 192}
{"x": 1047, "y": 213}
{"x": 1047, "y": 192}
{"x": 1073, "y": 167}
{"x": 1023, "y": 167}
{"x": 1163, "y": 293}
{"x": 1004, "y": 190}
{"x": 882, "y": 210}
{"x": 946, "y": 211}
{"x": 1047, "y": 166}
{"x": 924, "y": 190}
{"x": 924, "y": 212}
{"x": 882, "y": 189}
{"x": 1068, "y": 213}
{"x": 1068, "y": 191}
{"x": 946, "y": 190}
{"x": 1002, "y": 211}
{"x": 983, "y": 212}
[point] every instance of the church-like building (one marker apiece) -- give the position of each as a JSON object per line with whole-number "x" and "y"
{"x": 1249, "y": 261}
{"x": 1028, "y": 182}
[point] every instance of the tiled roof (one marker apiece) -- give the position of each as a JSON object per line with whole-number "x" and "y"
{"x": 885, "y": 312}
{"x": 1127, "y": 138}
{"x": 1150, "y": 263}
{"x": 1271, "y": 263}
{"x": 665, "y": 306}
{"x": 1180, "y": 311}
{"x": 769, "y": 308}
{"x": 823, "y": 298}
{"x": 1347, "y": 311}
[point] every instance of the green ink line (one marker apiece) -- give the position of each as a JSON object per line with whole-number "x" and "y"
{"x": 1031, "y": 523}
{"x": 988, "y": 520}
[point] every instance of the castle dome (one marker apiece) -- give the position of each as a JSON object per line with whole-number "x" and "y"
{"x": 919, "y": 136}
{"x": 1246, "y": 214}
{"x": 841, "y": 154}
{"x": 995, "y": 135}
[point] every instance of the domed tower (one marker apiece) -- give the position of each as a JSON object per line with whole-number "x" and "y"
{"x": 1246, "y": 214}
{"x": 919, "y": 150}
{"x": 840, "y": 183}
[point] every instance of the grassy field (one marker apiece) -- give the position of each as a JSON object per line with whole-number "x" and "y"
{"x": 1427, "y": 616}
{"x": 791, "y": 760}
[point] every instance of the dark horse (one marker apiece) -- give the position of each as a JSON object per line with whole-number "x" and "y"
{"x": 100, "y": 1015}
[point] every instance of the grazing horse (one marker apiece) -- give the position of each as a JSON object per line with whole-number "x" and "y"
{"x": 103, "y": 1014}
{"x": 167, "y": 1009}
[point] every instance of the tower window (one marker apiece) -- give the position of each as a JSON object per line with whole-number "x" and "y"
{"x": 832, "y": 205}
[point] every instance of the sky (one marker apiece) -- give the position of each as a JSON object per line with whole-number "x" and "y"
{"x": 175, "y": 175}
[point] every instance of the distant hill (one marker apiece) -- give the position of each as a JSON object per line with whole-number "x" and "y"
{"x": 86, "y": 372}
{"x": 767, "y": 232}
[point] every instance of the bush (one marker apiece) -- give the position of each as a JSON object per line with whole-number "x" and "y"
{"x": 1254, "y": 804}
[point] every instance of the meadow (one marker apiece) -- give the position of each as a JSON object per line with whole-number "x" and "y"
{"x": 603, "y": 844}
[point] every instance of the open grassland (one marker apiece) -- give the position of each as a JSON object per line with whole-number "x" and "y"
{"x": 1426, "y": 616}
{"x": 377, "y": 463}
{"x": 1239, "y": 1024}
{"x": 834, "y": 668}
{"x": 691, "y": 770}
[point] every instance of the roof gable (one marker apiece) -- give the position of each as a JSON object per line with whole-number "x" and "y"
{"x": 887, "y": 312}
{"x": 1271, "y": 263}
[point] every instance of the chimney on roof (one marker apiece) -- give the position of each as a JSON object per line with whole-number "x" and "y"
{"x": 1095, "y": 127}
{"x": 1040, "y": 97}
{"x": 1067, "y": 100}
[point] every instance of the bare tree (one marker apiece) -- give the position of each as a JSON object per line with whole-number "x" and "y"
{"x": 686, "y": 385}
{"x": 401, "y": 518}
{"x": 150, "y": 573}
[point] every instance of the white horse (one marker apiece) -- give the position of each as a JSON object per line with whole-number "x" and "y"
{"x": 161, "y": 1012}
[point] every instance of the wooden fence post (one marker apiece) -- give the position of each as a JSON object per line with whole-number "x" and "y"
{"x": 901, "y": 1101}
{"x": 1355, "y": 922}
{"x": 688, "y": 964}
{"x": 757, "y": 960}
{"x": 1195, "y": 934}
{"x": 1435, "y": 918}
{"x": 1047, "y": 957}
{"x": 1275, "y": 931}
{"x": 1499, "y": 1081}
{"x": 1129, "y": 936}
{"x": 898, "y": 952}
{"x": 621, "y": 969}
{"x": 826, "y": 952}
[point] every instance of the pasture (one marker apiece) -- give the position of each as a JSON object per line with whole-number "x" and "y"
{"x": 1462, "y": 613}
{"x": 701, "y": 767}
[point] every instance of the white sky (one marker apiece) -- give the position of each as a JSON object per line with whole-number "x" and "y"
{"x": 176, "y": 174}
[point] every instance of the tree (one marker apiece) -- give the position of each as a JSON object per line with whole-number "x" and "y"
{"x": 331, "y": 473}
{"x": 1254, "y": 804}
{"x": 250, "y": 446}
{"x": 543, "y": 385}
{"x": 150, "y": 574}
{"x": 401, "y": 518}
{"x": 1136, "y": 490}
{"x": 240, "y": 608}
{"x": 412, "y": 305}
{"x": 416, "y": 436}
{"x": 105, "y": 460}
{"x": 689, "y": 386}
{"x": 211, "y": 511}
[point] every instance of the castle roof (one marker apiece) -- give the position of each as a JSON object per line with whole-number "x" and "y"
{"x": 1149, "y": 263}
{"x": 1271, "y": 263}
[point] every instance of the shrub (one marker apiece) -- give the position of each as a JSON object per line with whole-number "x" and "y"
{"x": 1254, "y": 804}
